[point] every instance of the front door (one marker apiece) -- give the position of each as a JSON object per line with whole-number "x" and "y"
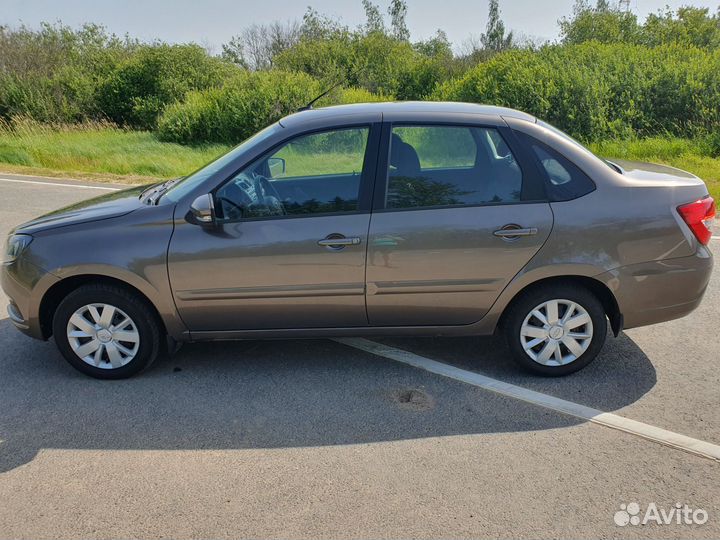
{"x": 289, "y": 248}
{"x": 455, "y": 221}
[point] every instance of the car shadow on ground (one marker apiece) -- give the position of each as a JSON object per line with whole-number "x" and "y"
{"x": 277, "y": 394}
{"x": 620, "y": 375}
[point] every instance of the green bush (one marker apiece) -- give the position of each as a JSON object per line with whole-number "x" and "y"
{"x": 608, "y": 23}
{"x": 243, "y": 105}
{"x": 612, "y": 77}
{"x": 60, "y": 75}
{"x": 52, "y": 74}
{"x": 596, "y": 91}
{"x": 380, "y": 63}
{"x": 136, "y": 92}
{"x": 346, "y": 96}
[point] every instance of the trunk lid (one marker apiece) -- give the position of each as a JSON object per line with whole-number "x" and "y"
{"x": 656, "y": 173}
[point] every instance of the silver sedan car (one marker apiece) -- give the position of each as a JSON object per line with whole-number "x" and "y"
{"x": 420, "y": 219}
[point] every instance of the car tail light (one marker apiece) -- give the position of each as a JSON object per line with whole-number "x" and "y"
{"x": 699, "y": 216}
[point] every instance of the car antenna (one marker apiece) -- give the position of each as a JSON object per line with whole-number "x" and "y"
{"x": 325, "y": 93}
{"x": 309, "y": 106}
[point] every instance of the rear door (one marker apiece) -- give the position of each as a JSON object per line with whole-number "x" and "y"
{"x": 458, "y": 211}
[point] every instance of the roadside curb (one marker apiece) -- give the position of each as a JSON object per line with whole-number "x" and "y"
{"x": 66, "y": 180}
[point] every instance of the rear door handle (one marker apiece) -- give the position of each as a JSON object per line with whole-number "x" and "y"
{"x": 339, "y": 241}
{"x": 514, "y": 231}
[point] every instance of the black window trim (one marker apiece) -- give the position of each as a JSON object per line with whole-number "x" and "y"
{"x": 527, "y": 141}
{"x": 533, "y": 183}
{"x": 367, "y": 176}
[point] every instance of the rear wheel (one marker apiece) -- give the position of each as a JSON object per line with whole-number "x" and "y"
{"x": 106, "y": 331}
{"x": 555, "y": 329}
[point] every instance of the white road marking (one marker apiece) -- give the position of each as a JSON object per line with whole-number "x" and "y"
{"x": 58, "y": 184}
{"x": 633, "y": 427}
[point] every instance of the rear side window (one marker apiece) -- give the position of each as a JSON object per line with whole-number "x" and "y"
{"x": 435, "y": 165}
{"x": 564, "y": 180}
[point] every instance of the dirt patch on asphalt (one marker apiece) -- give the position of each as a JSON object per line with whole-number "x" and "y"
{"x": 413, "y": 399}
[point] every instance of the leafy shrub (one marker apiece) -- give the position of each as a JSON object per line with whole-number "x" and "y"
{"x": 709, "y": 145}
{"x": 612, "y": 77}
{"x": 345, "y": 96}
{"x": 52, "y": 74}
{"x": 596, "y": 91}
{"x": 378, "y": 62}
{"x": 243, "y": 105}
{"x": 136, "y": 92}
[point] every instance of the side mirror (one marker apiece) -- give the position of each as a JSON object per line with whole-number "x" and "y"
{"x": 202, "y": 210}
{"x": 276, "y": 165}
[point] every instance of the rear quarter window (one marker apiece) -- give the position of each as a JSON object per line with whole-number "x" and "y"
{"x": 564, "y": 181}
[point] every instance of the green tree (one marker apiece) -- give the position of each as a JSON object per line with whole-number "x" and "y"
{"x": 690, "y": 26}
{"x": 375, "y": 61}
{"x": 373, "y": 18}
{"x": 234, "y": 52}
{"x": 437, "y": 46}
{"x": 317, "y": 26}
{"x": 432, "y": 64}
{"x": 398, "y": 11}
{"x": 605, "y": 23}
{"x": 494, "y": 39}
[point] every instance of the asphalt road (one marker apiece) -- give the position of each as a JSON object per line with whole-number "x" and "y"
{"x": 316, "y": 439}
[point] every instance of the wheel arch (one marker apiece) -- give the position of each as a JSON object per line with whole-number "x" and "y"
{"x": 596, "y": 287}
{"x": 55, "y": 294}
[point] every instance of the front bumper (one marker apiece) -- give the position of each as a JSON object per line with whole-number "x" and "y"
{"x": 24, "y": 283}
{"x": 16, "y": 317}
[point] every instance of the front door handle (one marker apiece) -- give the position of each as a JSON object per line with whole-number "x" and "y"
{"x": 514, "y": 231}
{"x": 338, "y": 241}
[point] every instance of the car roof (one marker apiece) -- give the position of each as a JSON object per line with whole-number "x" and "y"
{"x": 374, "y": 110}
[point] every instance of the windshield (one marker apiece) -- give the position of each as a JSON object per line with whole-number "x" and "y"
{"x": 190, "y": 182}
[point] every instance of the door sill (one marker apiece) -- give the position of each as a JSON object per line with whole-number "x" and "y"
{"x": 295, "y": 333}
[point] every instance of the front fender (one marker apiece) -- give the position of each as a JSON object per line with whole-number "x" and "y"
{"x": 156, "y": 289}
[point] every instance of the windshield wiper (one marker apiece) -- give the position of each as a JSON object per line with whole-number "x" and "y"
{"x": 148, "y": 191}
{"x": 157, "y": 191}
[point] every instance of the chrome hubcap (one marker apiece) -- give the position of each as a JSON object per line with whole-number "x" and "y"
{"x": 556, "y": 332}
{"x": 103, "y": 336}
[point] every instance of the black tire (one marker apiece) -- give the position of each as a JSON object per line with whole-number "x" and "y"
{"x": 527, "y": 302}
{"x": 134, "y": 306}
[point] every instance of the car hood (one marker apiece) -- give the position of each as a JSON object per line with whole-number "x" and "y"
{"x": 107, "y": 206}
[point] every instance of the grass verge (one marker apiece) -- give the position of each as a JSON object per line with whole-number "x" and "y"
{"x": 103, "y": 152}
{"x": 97, "y": 152}
{"x": 685, "y": 154}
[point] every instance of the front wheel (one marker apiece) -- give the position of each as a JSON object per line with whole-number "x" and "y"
{"x": 106, "y": 332}
{"x": 555, "y": 329}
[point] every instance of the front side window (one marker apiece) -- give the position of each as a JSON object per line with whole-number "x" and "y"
{"x": 450, "y": 166}
{"x": 190, "y": 182}
{"x": 317, "y": 173}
